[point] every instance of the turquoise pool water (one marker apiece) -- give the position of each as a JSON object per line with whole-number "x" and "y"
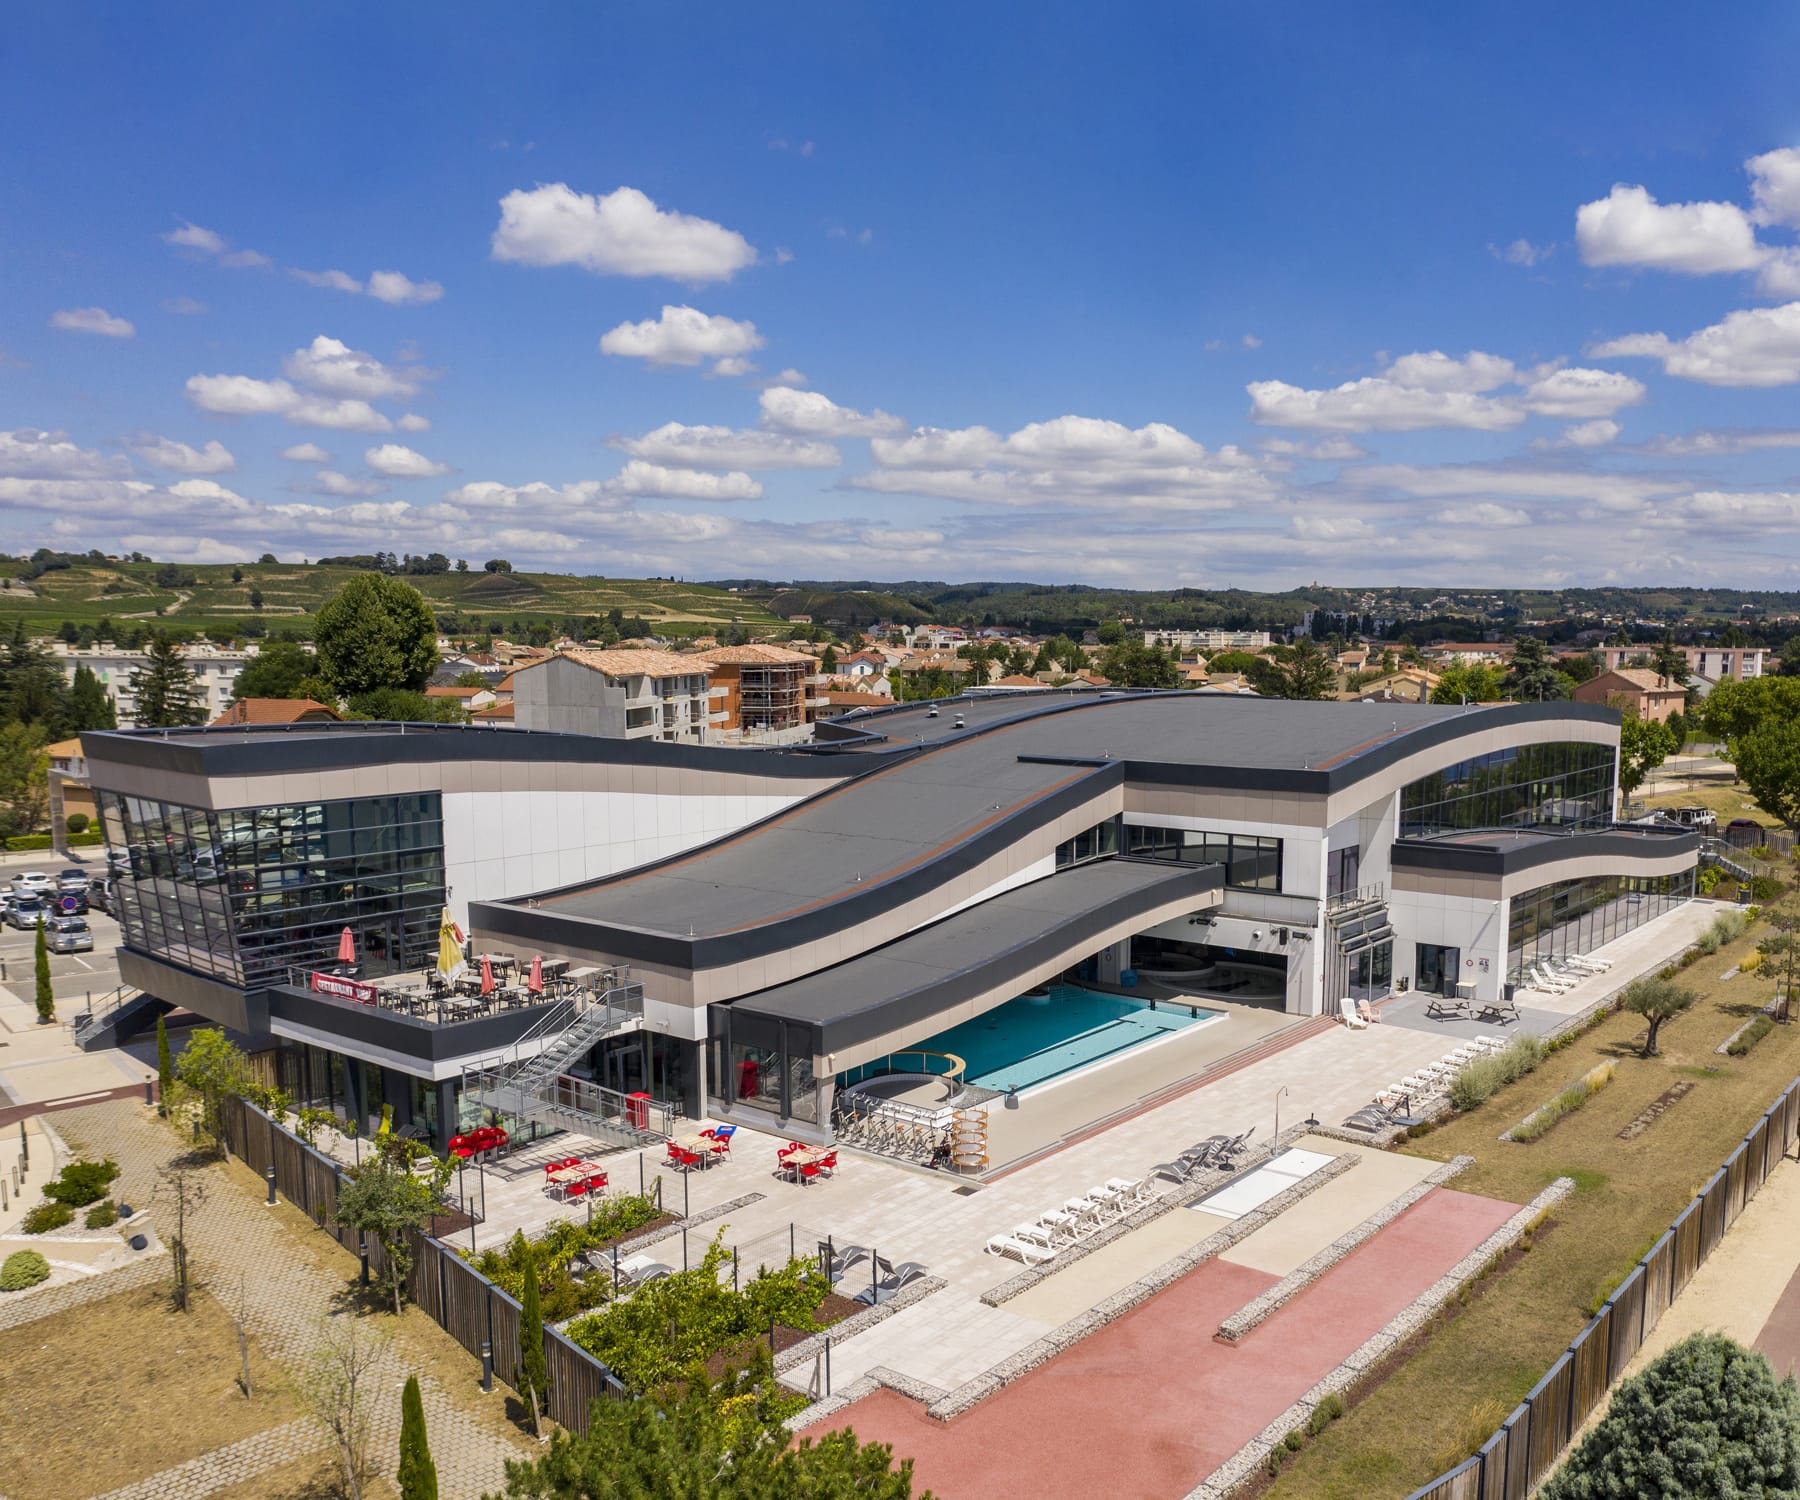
{"x": 1038, "y": 1037}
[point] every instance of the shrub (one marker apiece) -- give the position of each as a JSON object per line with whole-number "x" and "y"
{"x": 1565, "y": 1103}
{"x": 102, "y": 1215}
{"x": 1483, "y": 1078}
{"x": 81, "y": 1182}
{"x": 1294, "y": 1441}
{"x": 552, "y": 1252}
{"x": 23, "y": 1268}
{"x": 1751, "y": 1035}
{"x": 1329, "y": 1409}
{"x": 76, "y": 822}
{"x": 47, "y": 1216}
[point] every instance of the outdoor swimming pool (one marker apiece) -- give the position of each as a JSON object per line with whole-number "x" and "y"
{"x": 1044, "y": 1035}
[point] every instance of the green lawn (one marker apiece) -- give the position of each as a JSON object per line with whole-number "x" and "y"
{"x": 1472, "y": 1370}
{"x": 292, "y": 592}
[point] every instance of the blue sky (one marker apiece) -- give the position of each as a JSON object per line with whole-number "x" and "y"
{"x": 1152, "y": 295}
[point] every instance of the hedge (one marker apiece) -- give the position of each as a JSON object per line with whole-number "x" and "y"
{"x": 26, "y": 842}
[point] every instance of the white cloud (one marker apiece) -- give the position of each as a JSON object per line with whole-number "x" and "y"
{"x": 1629, "y": 227}
{"x": 731, "y": 367}
{"x": 245, "y": 260}
{"x": 1375, "y": 404}
{"x": 397, "y": 461}
{"x": 1595, "y": 434}
{"x": 653, "y": 481}
{"x": 413, "y": 422}
{"x": 336, "y": 281}
{"x": 1339, "y": 449}
{"x": 783, "y": 255}
{"x": 333, "y": 367}
{"x": 1751, "y": 347}
{"x": 398, "y": 290}
{"x": 678, "y": 446}
{"x": 91, "y": 320}
{"x": 1437, "y": 371}
{"x": 183, "y": 307}
{"x": 1775, "y": 187}
{"x": 1482, "y": 515}
{"x": 1522, "y": 253}
{"x": 1574, "y": 394}
{"x": 330, "y": 482}
{"x": 32, "y": 453}
{"x": 809, "y": 414}
{"x": 622, "y": 233}
{"x": 306, "y": 453}
{"x": 682, "y": 336}
{"x": 1719, "y": 443}
{"x": 206, "y": 490}
{"x": 192, "y": 237}
{"x": 244, "y": 396}
{"x": 937, "y": 448}
{"x": 788, "y": 376}
{"x": 1323, "y": 528}
{"x": 166, "y": 453}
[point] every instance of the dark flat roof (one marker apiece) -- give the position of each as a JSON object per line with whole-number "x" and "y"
{"x": 922, "y": 975}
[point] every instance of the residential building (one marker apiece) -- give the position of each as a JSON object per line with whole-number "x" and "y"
{"x": 1208, "y": 641}
{"x": 1468, "y": 653}
{"x": 214, "y": 667}
{"x": 621, "y": 694}
{"x": 69, "y": 790}
{"x": 837, "y": 903}
{"x": 267, "y": 711}
{"x": 471, "y": 698}
{"x": 1648, "y": 694}
{"x": 1404, "y": 685}
{"x": 766, "y": 695}
{"x": 1711, "y": 663}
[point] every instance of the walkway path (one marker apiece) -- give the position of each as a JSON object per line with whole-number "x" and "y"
{"x": 235, "y": 1238}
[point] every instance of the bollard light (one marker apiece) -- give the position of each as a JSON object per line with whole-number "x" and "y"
{"x": 270, "y": 1175}
{"x": 487, "y": 1366}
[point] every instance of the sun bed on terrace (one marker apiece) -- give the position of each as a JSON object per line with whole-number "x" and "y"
{"x": 1347, "y": 1011}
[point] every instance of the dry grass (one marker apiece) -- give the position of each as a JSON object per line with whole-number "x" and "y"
{"x": 304, "y": 1479}
{"x": 123, "y": 1388}
{"x": 1496, "y": 1349}
{"x": 1729, "y": 801}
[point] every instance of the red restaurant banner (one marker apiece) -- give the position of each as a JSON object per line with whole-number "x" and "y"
{"x": 344, "y": 989}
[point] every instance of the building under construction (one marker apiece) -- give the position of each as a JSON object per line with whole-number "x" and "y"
{"x": 771, "y": 694}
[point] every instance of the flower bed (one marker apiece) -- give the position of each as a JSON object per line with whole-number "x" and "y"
{"x": 1566, "y": 1103}
{"x": 563, "y": 1240}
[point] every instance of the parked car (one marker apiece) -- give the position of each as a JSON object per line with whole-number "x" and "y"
{"x": 1695, "y": 817}
{"x": 1744, "y": 833}
{"x": 68, "y": 901}
{"x": 69, "y": 935}
{"x": 25, "y": 910}
{"x": 32, "y": 880}
{"x": 73, "y": 878}
{"x": 100, "y": 894}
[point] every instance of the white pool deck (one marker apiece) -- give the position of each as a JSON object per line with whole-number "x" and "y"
{"x": 911, "y": 1214}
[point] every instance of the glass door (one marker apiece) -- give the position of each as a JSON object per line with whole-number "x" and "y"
{"x": 1437, "y": 970}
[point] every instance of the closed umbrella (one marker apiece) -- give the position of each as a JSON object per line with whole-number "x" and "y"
{"x": 487, "y": 976}
{"x": 450, "y": 943}
{"x": 346, "y": 947}
{"x": 536, "y": 982}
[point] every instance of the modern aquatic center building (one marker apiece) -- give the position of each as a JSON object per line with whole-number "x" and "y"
{"x": 767, "y": 927}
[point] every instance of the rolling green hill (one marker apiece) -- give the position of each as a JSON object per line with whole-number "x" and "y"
{"x": 205, "y": 597}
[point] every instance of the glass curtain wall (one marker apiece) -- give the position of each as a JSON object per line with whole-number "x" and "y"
{"x": 1528, "y": 786}
{"x": 1578, "y": 916}
{"x": 1251, "y": 863}
{"x": 242, "y": 895}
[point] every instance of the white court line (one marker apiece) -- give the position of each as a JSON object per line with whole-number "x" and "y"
{"x": 83, "y": 962}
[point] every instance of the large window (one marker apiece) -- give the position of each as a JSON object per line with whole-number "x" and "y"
{"x": 242, "y": 895}
{"x": 1578, "y": 916}
{"x": 1099, "y": 842}
{"x": 1529, "y": 786}
{"x": 1251, "y": 863}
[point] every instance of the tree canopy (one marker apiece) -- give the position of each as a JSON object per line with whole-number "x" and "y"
{"x": 1304, "y": 671}
{"x": 168, "y": 695}
{"x": 376, "y": 632}
{"x": 1706, "y": 1421}
{"x": 1133, "y": 664}
{"x": 1657, "y": 1000}
{"x": 1474, "y": 683}
{"x": 276, "y": 671}
{"x": 1768, "y": 761}
{"x": 1533, "y": 675}
{"x": 1644, "y": 745}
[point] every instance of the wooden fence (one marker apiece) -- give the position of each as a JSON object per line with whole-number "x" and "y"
{"x": 463, "y": 1302}
{"x": 1517, "y": 1458}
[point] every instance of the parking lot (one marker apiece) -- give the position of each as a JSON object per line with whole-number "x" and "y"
{"x": 74, "y": 975}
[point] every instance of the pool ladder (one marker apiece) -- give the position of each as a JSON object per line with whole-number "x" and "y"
{"x": 968, "y": 1139}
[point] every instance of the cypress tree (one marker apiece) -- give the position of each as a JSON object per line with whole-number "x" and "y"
{"x": 46, "y": 997}
{"x": 417, "y": 1475}
{"x": 533, "y": 1378}
{"x": 165, "y": 1071}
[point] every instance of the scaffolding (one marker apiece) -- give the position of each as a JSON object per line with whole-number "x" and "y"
{"x": 773, "y": 695}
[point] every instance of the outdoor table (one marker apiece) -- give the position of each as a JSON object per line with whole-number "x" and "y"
{"x": 555, "y": 968}
{"x": 695, "y": 1142}
{"x": 806, "y": 1156}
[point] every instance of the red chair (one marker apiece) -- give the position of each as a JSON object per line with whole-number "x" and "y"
{"x": 577, "y": 1188}
{"x": 501, "y": 1139}
{"x": 809, "y": 1170}
{"x": 460, "y": 1145}
{"x": 828, "y": 1164}
{"x": 597, "y": 1183}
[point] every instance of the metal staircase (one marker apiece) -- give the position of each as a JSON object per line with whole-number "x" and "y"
{"x": 530, "y": 1080}
{"x": 1737, "y": 862}
{"x": 115, "y": 1017}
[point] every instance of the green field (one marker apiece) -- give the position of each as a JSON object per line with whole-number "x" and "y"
{"x": 291, "y": 593}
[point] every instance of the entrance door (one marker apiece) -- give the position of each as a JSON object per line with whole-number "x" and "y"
{"x": 1437, "y": 970}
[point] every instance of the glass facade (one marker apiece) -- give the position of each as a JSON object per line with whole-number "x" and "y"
{"x": 1251, "y": 864}
{"x": 1528, "y": 786}
{"x": 242, "y": 895}
{"x": 1099, "y": 842}
{"x": 1578, "y": 916}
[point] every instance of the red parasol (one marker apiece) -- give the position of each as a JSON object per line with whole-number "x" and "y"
{"x": 536, "y": 982}
{"x": 487, "y": 976}
{"x": 346, "y": 947}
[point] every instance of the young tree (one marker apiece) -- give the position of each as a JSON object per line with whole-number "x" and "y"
{"x": 722, "y": 1440}
{"x": 168, "y": 694}
{"x": 376, "y": 632}
{"x": 1782, "y": 946}
{"x": 340, "y": 1382}
{"x": 1707, "y": 1420}
{"x": 1657, "y": 1000}
{"x": 89, "y": 706}
{"x": 214, "y": 1069}
{"x": 1644, "y": 745}
{"x": 46, "y": 996}
{"x": 532, "y": 1380}
{"x": 185, "y": 1191}
{"x": 417, "y": 1475}
{"x": 386, "y": 1200}
{"x": 165, "y": 1072}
